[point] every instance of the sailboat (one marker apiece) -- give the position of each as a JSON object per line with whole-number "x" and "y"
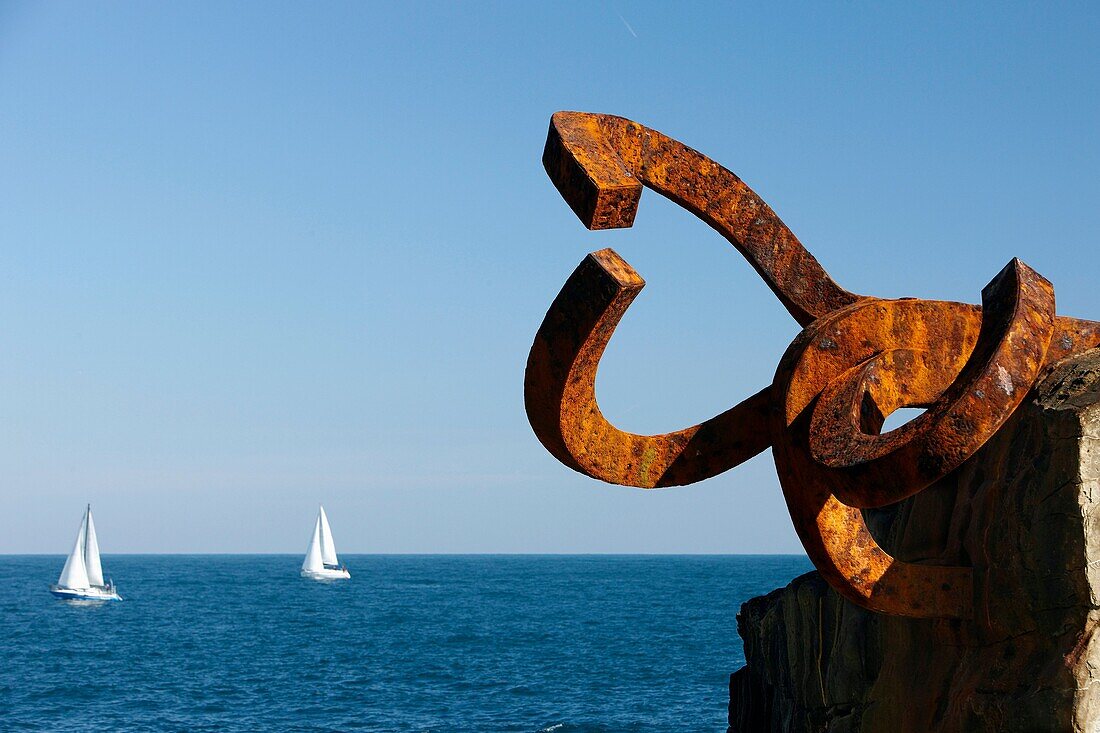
{"x": 321, "y": 562}
{"x": 82, "y": 577}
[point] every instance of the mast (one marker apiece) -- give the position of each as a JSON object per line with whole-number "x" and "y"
{"x": 328, "y": 547}
{"x": 91, "y": 551}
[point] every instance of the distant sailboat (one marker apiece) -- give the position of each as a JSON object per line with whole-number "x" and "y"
{"x": 321, "y": 562}
{"x": 82, "y": 576}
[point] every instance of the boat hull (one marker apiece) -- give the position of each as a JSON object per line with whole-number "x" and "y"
{"x": 85, "y": 594}
{"x": 327, "y": 574}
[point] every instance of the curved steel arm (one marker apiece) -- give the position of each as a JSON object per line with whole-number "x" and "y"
{"x": 599, "y": 164}
{"x": 560, "y": 394}
{"x": 835, "y": 535}
{"x": 1017, "y": 322}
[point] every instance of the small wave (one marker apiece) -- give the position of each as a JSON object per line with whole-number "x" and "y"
{"x": 577, "y": 728}
{"x": 417, "y": 582}
{"x": 525, "y": 691}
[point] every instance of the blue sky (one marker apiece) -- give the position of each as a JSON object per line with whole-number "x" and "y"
{"x": 257, "y": 256}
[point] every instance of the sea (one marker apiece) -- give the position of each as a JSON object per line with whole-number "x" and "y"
{"x": 533, "y": 644}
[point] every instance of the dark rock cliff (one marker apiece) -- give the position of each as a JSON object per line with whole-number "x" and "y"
{"x": 1023, "y": 512}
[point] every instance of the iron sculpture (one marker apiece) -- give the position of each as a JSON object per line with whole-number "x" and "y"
{"x": 857, "y": 359}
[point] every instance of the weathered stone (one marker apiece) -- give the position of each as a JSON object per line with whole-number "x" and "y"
{"x": 1022, "y": 512}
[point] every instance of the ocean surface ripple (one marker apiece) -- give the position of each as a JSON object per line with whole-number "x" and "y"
{"x": 561, "y": 644}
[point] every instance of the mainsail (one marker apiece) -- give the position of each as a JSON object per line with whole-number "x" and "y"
{"x": 328, "y": 547}
{"x": 75, "y": 574}
{"x": 313, "y": 562}
{"x": 91, "y": 552}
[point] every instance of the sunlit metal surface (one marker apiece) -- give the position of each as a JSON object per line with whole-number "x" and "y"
{"x": 857, "y": 359}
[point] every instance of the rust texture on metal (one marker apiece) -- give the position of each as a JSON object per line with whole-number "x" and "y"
{"x": 857, "y": 359}
{"x": 561, "y": 393}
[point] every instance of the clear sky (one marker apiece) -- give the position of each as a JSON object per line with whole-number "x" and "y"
{"x": 259, "y": 256}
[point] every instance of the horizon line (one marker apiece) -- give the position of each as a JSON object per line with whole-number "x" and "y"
{"x": 432, "y": 554}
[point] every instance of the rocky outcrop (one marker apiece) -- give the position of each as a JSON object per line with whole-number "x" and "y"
{"x": 1023, "y": 513}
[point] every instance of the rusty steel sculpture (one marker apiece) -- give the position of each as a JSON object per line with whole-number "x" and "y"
{"x": 857, "y": 359}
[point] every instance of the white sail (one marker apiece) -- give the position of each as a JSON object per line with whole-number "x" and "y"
{"x": 313, "y": 562}
{"x": 91, "y": 552}
{"x": 74, "y": 575}
{"x": 328, "y": 547}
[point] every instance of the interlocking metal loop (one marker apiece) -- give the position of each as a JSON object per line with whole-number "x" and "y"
{"x": 857, "y": 360}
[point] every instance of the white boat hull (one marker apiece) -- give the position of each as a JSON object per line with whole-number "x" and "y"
{"x": 96, "y": 593}
{"x": 327, "y": 574}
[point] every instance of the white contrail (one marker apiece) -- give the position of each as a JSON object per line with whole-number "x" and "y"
{"x": 626, "y": 24}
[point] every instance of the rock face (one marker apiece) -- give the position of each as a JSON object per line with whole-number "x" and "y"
{"x": 1023, "y": 513}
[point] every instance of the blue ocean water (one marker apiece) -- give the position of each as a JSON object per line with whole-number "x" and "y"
{"x": 410, "y": 643}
